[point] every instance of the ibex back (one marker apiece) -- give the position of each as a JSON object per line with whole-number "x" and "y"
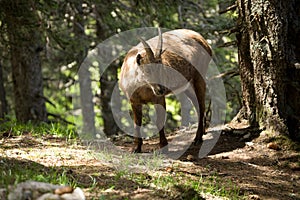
{"x": 179, "y": 63}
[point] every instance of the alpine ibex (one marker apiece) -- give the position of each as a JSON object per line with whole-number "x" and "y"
{"x": 147, "y": 77}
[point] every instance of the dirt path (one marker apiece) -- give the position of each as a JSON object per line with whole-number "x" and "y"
{"x": 258, "y": 171}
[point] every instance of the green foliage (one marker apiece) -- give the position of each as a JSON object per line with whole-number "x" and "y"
{"x": 101, "y": 19}
{"x": 214, "y": 185}
{"x": 16, "y": 171}
{"x": 14, "y": 128}
{"x": 184, "y": 184}
{"x": 147, "y": 172}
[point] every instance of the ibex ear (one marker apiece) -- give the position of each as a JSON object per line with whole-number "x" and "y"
{"x": 138, "y": 59}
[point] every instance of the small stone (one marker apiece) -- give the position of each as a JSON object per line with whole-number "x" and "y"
{"x": 250, "y": 144}
{"x": 254, "y": 197}
{"x": 77, "y": 194}
{"x": 63, "y": 190}
{"x": 3, "y": 193}
{"x": 31, "y": 190}
{"x": 169, "y": 169}
{"x": 273, "y": 145}
{"x": 190, "y": 157}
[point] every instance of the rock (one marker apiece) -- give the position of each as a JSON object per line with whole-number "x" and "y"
{"x": 3, "y": 193}
{"x": 254, "y": 197}
{"x": 49, "y": 196}
{"x": 63, "y": 190}
{"x": 250, "y": 144}
{"x": 44, "y": 191}
{"x": 77, "y": 194}
{"x": 30, "y": 190}
{"x": 190, "y": 158}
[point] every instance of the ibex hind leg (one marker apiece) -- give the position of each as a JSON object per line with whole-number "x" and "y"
{"x": 198, "y": 98}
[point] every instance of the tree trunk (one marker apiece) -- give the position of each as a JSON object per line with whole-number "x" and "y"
{"x": 107, "y": 83}
{"x": 87, "y": 105}
{"x": 108, "y": 77}
{"x": 25, "y": 46}
{"x": 84, "y": 76}
{"x": 248, "y": 111}
{"x": 186, "y": 108}
{"x": 268, "y": 53}
{"x": 3, "y": 102}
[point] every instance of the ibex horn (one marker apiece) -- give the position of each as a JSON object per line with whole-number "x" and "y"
{"x": 159, "y": 44}
{"x": 148, "y": 50}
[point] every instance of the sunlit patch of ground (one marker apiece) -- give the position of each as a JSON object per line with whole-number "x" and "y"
{"x": 238, "y": 162}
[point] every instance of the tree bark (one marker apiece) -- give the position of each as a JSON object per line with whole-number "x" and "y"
{"x": 108, "y": 78}
{"x": 186, "y": 108}
{"x": 84, "y": 76}
{"x": 248, "y": 111}
{"x": 3, "y": 102}
{"x": 107, "y": 83}
{"x": 24, "y": 33}
{"x": 267, "y": 54}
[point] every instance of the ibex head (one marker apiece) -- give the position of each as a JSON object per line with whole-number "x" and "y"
{"x": 147, "y": 63}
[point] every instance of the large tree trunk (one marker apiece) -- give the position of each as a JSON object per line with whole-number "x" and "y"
{"x": 84, "y": 76}
{"x": 108, "y": 77}
{"x": 25, "y": 46}
{"x": 107, "y": 83}
{"x": 3, "y": 102}
{"x": 269, "y": 64}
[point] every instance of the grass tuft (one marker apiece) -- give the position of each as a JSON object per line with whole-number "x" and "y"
{"x": 15, "y": 171}
{"x": 14, "y": 128}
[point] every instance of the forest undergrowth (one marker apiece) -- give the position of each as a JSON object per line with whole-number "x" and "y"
{"x": 242, "y": 165}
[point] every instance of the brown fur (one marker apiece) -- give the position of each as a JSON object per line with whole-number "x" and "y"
{"x": 200, "y": 40}
{"x": 146, "y": 94}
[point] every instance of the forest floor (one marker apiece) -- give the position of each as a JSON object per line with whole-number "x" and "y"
{"x": 240, "y": 166}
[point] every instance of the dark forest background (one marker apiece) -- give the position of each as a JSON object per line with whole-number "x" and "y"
{"x": 43, "y": 43}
